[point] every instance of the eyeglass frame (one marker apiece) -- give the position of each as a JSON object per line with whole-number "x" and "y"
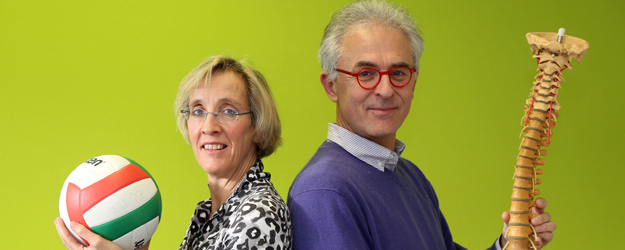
{"x": 188, "y": 114}
{"x": 412, "y": 70}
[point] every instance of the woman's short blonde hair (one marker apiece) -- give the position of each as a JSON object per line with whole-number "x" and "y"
{"x": 264, "y": 115}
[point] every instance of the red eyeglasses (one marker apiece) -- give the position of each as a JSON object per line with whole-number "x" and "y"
{"x": 370, "y": 78}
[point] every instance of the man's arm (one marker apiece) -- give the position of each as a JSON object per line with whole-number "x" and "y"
{"x": 324, "y": 219}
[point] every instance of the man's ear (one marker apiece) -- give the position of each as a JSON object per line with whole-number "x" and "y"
{"x": 329, "y": 86}
{"x": 416, "y": 77}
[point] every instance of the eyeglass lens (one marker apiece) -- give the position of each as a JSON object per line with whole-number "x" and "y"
{"x": 225, "y": 116}
{"x": 399, "y": 76}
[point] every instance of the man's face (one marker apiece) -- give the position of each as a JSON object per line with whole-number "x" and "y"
{"x": 378, "y": 113}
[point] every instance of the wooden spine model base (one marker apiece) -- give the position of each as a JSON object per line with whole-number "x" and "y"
{"x": 552, "y": 51}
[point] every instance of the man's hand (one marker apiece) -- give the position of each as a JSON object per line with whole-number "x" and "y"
{"x": 542, "y": 223}
{"x": 95, "y": 241}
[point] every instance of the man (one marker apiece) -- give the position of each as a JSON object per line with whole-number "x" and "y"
{"x": 356, "y": 192}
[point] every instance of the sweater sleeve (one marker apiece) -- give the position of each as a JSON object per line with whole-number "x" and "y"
{"x": 447, "y": 233}
{"x": 495, "y": 245}
{"x": 445, "y": 230}
{"x": 335, "y": 223}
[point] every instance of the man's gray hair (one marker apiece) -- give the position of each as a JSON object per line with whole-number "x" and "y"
{"x": 361, "y": 13}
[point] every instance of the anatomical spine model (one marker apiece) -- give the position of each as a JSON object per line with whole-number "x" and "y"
{"x": 552, "y": 51}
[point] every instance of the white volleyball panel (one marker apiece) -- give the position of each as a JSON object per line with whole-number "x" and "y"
{"x": 116, "y": 161}
{"x": 152, "y": 225}
{"x": 85, "y": 175}
{"x": 139, "y": 237}
{"x": 96, "y": 169}
{"x": 121, "y": 202}
{"x": 125, "y": 241}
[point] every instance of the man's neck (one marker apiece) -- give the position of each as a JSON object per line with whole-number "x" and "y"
{"x": 387, "y": 141}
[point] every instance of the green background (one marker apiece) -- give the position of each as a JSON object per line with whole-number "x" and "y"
{"x": 86, "y": 78}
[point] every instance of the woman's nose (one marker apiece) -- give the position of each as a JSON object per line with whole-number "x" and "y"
{"x": 211, "y": 125}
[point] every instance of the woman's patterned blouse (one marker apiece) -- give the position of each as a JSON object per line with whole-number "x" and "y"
{"x": 253, "y": 217}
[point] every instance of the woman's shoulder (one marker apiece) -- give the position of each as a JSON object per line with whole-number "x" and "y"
{"x": 261, "y": 218}
{"x": 261, "y": 199}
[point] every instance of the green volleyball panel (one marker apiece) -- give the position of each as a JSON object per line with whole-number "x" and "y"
{"x": 122, "y": 225}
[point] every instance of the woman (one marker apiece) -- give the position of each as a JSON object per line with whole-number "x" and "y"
{"x": 225, "y": 111}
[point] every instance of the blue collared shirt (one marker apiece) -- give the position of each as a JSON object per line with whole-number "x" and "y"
{"x": 365, "y": 150}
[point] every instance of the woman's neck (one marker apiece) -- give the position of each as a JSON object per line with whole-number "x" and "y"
{"x": 222, "y": 187}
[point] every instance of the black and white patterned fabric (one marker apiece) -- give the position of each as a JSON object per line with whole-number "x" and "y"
{"x": 253, "y": 217}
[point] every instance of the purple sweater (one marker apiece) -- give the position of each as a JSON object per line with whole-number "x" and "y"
{"x": 339, "y": 202}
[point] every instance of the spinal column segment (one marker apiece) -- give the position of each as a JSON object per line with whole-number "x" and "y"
{"x": 539, "y": 120}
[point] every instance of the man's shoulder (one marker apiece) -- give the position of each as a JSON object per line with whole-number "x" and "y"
{"x": 329, "y": 169}
{"x": 329, "y": 156}
{"x": 407, "y": 165}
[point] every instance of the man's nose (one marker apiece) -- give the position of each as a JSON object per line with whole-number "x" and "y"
{"x": 384, "y": 88}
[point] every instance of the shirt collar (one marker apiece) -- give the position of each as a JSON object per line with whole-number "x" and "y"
{"x": 365, "y": 150}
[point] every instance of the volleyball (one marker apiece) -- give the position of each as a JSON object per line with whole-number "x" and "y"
{"x": 114, "y": 197}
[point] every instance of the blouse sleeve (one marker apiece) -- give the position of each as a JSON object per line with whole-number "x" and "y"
{"x": 200, "y": 215}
